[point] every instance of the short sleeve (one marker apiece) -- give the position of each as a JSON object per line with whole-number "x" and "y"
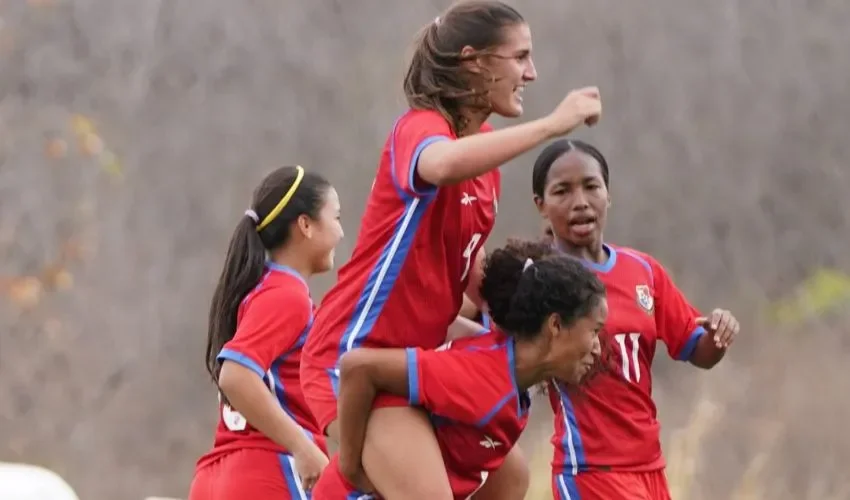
{"x": 272, "y": 323}
{"x": 675, "y": 317}
{"x": 465, "y": 386}
{"x": 414, "y": 132}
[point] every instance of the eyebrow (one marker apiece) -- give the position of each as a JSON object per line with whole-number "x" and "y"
{"x": 584, "y": 180}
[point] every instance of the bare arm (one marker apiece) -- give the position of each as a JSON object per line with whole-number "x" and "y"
{"x": 468, "y": 309}
{"x": 462, "y": 327}
{"x": 450, "y": 162}
{"x": 363, "y": 373}
{"x": 249, "y": 396}
{"x": 706, "y": 353}
{"x": 721, "y": 329}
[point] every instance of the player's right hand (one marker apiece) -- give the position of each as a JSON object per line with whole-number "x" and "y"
{"x": 309, "y": 464}
{"x": 580, "y": 106}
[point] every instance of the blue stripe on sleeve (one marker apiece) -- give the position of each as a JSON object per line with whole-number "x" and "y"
{"x": 412, "y": 377}
{"x": 238, "y": 357}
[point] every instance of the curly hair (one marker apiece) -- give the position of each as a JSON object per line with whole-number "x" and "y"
{"x": 525, "y": 282}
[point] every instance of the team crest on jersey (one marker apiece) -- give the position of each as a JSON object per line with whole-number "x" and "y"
{"x": 644, "y": 298}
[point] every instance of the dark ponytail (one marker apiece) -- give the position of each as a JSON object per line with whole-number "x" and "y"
{"x": 525, "y": 282}
{"x": 298, "y": 193}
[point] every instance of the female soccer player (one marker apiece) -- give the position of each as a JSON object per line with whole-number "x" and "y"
{"x": 431, "y": 208}
{"x": 607, "y": 441}
{"x": 549, "y": 311}
{"x": 267, "y": 444}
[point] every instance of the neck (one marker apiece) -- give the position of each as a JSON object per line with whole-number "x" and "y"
{"x": 528, "y": 365}
{"x": 474, "y": 121}
{"x": 292, "y": 258}
{"x": 594, "y": 252}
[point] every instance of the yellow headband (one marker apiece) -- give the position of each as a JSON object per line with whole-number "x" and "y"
{"x": 283, "y": 201}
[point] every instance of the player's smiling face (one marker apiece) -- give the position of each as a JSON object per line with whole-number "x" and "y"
{"x": 511, "y": 68}
{"x": 326, "y": 233}
{"x": 575, "y": 200}
{"x": 577, "y": 350}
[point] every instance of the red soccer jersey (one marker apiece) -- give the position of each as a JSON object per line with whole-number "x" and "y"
{"x": 469, "y": 388}
{"x": 272, "y": 325}
{"x": 405, "y": 281}
{"x": 610, "y": 424}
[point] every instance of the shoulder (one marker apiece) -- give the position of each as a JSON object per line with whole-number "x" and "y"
{"x": 424, "y": 122}
{"x": 281, "y": 296}
{"x": 646, "y": 260}
{"x": 486, "y": 127}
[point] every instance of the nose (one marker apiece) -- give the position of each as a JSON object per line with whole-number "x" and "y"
{"x": 530, "y": 73}
{"x": 596, "y": 350}
{"x": 579, "y": 200}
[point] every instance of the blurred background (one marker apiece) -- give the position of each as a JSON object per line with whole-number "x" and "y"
{"x": 133, "y": 132}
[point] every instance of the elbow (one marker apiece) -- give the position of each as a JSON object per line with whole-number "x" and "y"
{"x": 352, "y": 364}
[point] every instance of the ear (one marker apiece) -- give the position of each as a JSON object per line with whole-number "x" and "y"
{"x": 553, "y": 325}
{"x": 469, "y": 61}
{"x": 538, "y": 202}
{"x": 609, "y": 198}
{"x": 305, "y": 225}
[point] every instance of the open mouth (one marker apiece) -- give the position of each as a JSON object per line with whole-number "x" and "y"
{"x": 583, "y": 225}
{"x": 518, "y": 90}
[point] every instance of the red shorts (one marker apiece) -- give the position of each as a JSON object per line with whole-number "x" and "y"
{"x": 596, "y": 485}
{"x": 333, "y": 486}
{"x": 321, "y": 391}
{"x": 248, "y": 473}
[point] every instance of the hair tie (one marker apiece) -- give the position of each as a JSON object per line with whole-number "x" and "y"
{"x": 251, "y": 214}
{"x": 437, "y": 21}
{"x": 528, "y": 263}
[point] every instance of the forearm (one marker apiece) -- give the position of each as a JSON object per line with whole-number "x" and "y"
{"x": 450, "y": 162}
{"x": 356, "y": 397}
{"x": 249, "y": 396}
{"x": 706, "y": 353}
{"x": 462, "y": 327}
{"x": 468, "y": 309}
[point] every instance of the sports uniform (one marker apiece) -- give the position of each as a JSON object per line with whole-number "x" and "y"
{"x": 404, "y": 283}
{"x": 606, "y": 437}
{"x": 272, "y": 325}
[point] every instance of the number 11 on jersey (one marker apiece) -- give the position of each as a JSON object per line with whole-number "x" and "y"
{"x": 629, "y": 344}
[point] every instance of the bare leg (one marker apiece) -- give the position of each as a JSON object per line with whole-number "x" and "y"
{"x": 508, "y": 482}
{"x": 401, "y": 456}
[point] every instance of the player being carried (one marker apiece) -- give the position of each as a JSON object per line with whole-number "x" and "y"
{"x": 607, "y": 440}
{"x": 267, "y": 443}
{"x": 548, "y": 308}
{"x": 432, "y": 206}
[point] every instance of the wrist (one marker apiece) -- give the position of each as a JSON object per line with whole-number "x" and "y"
{"x": 547, "y": 127}
{"x": 301, "y": 446}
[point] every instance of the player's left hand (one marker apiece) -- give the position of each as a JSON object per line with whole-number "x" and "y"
{"x": 722, "y": 325}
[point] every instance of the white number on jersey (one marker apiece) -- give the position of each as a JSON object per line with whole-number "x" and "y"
{"x": 467, "y": 253}
{"x": 484, "y": 475}
{"x": 233, "y": 420}
{"x": 629, "y": 345}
